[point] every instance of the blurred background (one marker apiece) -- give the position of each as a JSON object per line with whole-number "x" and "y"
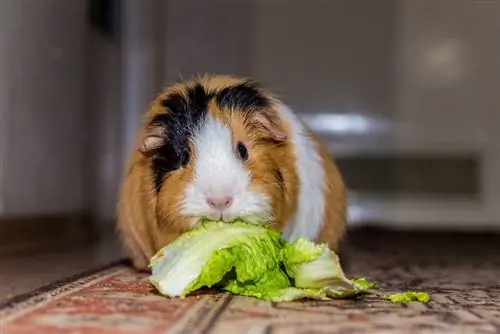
{"x": 404, "y": 93}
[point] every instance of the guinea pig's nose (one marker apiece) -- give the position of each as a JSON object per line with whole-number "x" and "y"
{"x": 220, "y": 202}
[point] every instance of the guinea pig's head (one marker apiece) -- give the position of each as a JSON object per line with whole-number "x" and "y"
{"x": 214, "y": 146}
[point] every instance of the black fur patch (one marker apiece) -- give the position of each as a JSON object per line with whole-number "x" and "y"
{"x": 185, "y": 113}
{"x": 242, "y": 96}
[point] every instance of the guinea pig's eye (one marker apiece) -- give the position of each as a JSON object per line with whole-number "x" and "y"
{"x": 242, "y": 151}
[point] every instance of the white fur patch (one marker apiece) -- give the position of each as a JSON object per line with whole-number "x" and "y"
{"x": 219, "y": 173}
{"x": 308, "y": 219}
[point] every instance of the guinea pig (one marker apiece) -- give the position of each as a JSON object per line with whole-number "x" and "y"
{"x": 223, "y": 147}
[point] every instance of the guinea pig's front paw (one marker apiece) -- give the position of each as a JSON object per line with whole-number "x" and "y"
{"x": 140, "y": 264}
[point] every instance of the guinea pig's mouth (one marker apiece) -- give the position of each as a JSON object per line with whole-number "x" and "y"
{"x": 223, "y": 217}
{"x": 213, "y": 217}
{"x": 252, "y": 219}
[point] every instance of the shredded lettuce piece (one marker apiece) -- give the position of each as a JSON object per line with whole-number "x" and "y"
{"x": 364, "y": 284}
{"x": 409, "y": 296}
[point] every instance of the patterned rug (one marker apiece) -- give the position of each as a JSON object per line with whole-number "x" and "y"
{"x": 461, "y": 273}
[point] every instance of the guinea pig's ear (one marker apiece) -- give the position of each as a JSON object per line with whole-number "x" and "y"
{"x": 153, "y": 139}
{"x": 272, "y": 124}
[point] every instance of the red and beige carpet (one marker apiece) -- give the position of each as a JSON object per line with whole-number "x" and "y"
{"x": 461, "y": 272}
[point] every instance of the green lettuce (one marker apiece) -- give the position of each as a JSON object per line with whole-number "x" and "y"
{"x": 313, "y": 266}
{"x": 250, "y": 260}
{"x": 409, "y": 296}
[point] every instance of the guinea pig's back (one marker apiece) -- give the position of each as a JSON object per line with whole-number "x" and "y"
{"x": 335, "y": 214}
{"x": 320, "y": 214}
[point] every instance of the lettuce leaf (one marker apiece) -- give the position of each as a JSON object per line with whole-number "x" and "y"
{"x": 250, "y": 260}
{"x": 204, "y": 256}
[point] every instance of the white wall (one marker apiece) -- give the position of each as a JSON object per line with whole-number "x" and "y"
{"x": 142, "y": 62}
{"x": 327, "y": 56}
{"x": 126, "y": 74}
{"x": 42, "y": 114}
{"x": 447, "y": 54}
{"x": 208, "y": 36}
{"x": 448, "y": 74}
{"x": 105, "y": 138}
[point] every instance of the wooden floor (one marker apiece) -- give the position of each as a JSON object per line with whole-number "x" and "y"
{"x": 25, "y": 271}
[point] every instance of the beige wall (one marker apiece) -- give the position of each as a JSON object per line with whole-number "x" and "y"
{"x": 327, "y": 56}
{"x": 43, "y": 127}
{"x": 208, "y": 36}
{"x": 447, "y": 68}
{"x": 105, "y": 136}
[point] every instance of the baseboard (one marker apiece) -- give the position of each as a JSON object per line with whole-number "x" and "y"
{"x": 19, "y": 234}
